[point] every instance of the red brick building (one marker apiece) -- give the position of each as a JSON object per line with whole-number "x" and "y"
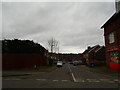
{"x": 112, "y": 40}
{"x": 94, "y": 55}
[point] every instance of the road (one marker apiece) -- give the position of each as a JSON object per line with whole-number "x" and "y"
{"x": 68, "y": 76}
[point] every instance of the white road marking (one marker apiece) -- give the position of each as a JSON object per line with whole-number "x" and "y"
{"x": 65, "y": 80}
{"x": 80, "y": 80}
{"x": 73, "y": 77}
{"x": 98, "y": 80}
{"x": 41, "y": 79}
{"x": 55, "y": 80}
{"x": 107, "y": 80}
{"x": 72, "y": 74}
{"x": 12, "y": 79}
{"x": 104, "y": 79}
{"x": 116, "y": 80}
{"x": 92, "y": 80}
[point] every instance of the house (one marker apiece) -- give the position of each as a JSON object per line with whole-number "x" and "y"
{"x": 85, "y": 53}
{"x": 99, "y": 56}
{"x": 94, "y": 55}
{"x": 78, "y": 57}
{"x": 90, "y": 59}
{"x": 112, "y": 39}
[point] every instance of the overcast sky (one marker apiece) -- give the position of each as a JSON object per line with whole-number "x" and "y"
{"x": 75, "y": 25}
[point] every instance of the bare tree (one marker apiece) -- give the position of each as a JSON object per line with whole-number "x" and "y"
{"x": 53, "y": 45}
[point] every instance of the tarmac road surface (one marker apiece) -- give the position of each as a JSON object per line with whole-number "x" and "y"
{"x": 68, "y": 76}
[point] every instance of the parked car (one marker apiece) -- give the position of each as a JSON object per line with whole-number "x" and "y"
{"x": 63, "y": 62}
{"x": 55, "y": 62}
{"x": 59, "y": 63}
{"x": 79, "y": 62}
{"x": 75, "y": 63}
{"x": 70, "y": 62}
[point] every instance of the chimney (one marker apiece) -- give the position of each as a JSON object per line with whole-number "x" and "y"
{"x": 88, "y": 47}
{"x": 117, "y": 5}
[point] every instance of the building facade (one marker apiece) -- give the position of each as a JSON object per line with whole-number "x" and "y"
{"x": 112, "y": 40}
{"x": 94, "y": 55}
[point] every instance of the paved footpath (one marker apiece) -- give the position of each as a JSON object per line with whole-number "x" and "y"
{"x": 104, "y": 70}
{"x": 7, "y": 73}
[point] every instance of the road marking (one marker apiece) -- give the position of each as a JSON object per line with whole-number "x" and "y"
{"x": 73, "y": 77}
{"x": 116, "y": 80}
{"x": 41, "y": 79}
{"x": 55, "y": 80}
{"x": 72, "y": 74}
{"x": 12, "y": 79}
{"x": 98, "y": 80}
{"x": 65, "y": 80}
{"x": 107, "y": 80}
{"x": 80, "y": 80}
{"x": 104, "y": 79}
{"x": 92, "y": 80}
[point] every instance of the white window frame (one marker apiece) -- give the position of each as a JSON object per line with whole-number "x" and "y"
{"x": 111, "y": 37}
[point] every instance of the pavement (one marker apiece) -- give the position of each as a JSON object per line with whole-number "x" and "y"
{"x": 22, "y": 72}
{"x": 104, "y": 70}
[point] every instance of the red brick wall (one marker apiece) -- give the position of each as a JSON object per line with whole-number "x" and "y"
{"x": 19, "y": 61}
{"x": 113, "y": 26}
{"x": 118, "y": 35}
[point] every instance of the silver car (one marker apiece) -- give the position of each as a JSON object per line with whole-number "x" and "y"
{"x": 75, "y": 63}
{"x": 59, "y": 63}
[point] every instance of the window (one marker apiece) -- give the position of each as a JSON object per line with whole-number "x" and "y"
{"x": 114, "y": 56}
{"x": 111, "y": 38}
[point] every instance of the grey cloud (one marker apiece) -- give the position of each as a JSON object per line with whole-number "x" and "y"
{"x": 74, "y": 25}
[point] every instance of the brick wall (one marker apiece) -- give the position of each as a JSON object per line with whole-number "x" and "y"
{"x": 19, "y": 61}
{"x": 113, "y": 26}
